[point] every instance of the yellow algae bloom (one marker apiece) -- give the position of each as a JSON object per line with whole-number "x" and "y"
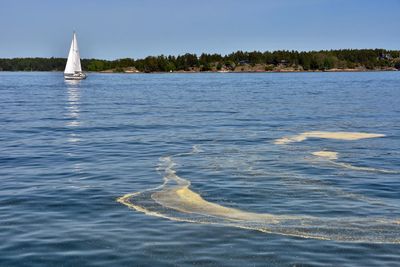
{"x": 333, "y": 156}
{"x": 348, "y": 136}
{"x": 174, "y": 200}
{"x": 177, "y": 195}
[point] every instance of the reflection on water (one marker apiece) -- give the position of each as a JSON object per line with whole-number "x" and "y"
{"x": 73, "y": 113}
{"x": 73, "y": 138}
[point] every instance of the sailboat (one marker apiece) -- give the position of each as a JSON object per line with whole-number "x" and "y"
{"x": 73, "y": 69}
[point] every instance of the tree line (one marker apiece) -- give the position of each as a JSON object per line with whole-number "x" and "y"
{"x": 311, "y": 60}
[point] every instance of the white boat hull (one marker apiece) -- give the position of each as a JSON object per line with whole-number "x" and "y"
{"x": 75, "y": 76}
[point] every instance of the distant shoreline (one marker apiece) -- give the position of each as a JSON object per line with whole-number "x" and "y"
{"x": 222, "y": 72}
{"x": 342, "y": 60}
{"x": 238, "y": 72}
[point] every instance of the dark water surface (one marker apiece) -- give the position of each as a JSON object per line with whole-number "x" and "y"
{"x": 68, "y": 151}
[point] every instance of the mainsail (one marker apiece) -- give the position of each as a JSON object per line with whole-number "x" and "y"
{"x": 74, "y": 60}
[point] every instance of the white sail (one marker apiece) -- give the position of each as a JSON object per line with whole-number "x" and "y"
{"x": 74, "y": 60}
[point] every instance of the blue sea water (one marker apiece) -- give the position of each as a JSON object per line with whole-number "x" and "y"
{"x": 69, "y": 150}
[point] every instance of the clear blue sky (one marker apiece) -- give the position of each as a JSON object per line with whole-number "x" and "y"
{"x": 137, "y": 28}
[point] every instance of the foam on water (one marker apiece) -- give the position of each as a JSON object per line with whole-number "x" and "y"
{"x": 175, "y": 200}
